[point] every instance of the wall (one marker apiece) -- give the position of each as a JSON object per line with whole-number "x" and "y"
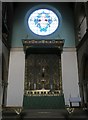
{"x": 17, "y": 72}
{"x": 20, "y": 30}
{"x": 81, "y": 17}
{"x": 17, "y": 57}
{"x": 82, "y": 53}
{"x": 16, "y": 78}
{"x": 69, "y": 74}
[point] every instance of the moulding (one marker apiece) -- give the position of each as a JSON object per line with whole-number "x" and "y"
{"x": 56, "y": 44}
{"x": 65, "y": 49}
{"x": 69, "y": 49}
{"x": 16, "y": 49}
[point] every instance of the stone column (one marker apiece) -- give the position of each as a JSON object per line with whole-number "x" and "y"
{"x": 60, "y": 74}
{"x": 4, "y": 97}
{"x": 86, "y": 10}
{"x": 85, "y": 93}
{"x": 25, "y": 82}
{"x": 81, "y": 93}
{"x": 1, "y": 93}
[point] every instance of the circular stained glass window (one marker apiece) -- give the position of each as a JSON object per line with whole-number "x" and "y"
{"x": 43, "y": 22}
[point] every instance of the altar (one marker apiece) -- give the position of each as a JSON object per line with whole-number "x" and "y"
{"x": 43, "y": 74}
{"x": 44, "y": 102}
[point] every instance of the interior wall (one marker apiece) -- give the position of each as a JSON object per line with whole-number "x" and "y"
{"x": 82, "y": 52}
{"x": 17, "y": 58}
{"x": 69, "y": 74}
{"x": 21, "y": 31}
{"x": 80, "y": 20}
{"x": 17, "y": 72}
{"x": 16, "y": 78}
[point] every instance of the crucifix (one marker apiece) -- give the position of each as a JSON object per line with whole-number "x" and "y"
{"x": 43, "y": 80}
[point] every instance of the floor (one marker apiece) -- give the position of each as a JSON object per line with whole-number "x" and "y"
{"x": 76, "y": 114}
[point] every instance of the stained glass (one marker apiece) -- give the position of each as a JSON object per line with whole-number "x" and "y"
{"x": 43, "y": 22}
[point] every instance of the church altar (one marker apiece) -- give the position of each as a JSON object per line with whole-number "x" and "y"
{"x": 43, "y": 74}
{"x": 44, "y": 102}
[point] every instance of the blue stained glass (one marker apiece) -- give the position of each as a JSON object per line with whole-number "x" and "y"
{"x": 43, "y": 22}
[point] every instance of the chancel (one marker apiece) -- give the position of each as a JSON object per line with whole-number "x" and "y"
{"x": 44, "y": 60}
{"x": 43, "y": 67}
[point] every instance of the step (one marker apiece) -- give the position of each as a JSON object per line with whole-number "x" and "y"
{"x": 47, "y": 114}
{"x": 44, "y": 113}
{"x": 37, "y": 114}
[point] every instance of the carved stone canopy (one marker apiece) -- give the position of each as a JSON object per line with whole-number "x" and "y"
{"x": 41, "y": 46}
